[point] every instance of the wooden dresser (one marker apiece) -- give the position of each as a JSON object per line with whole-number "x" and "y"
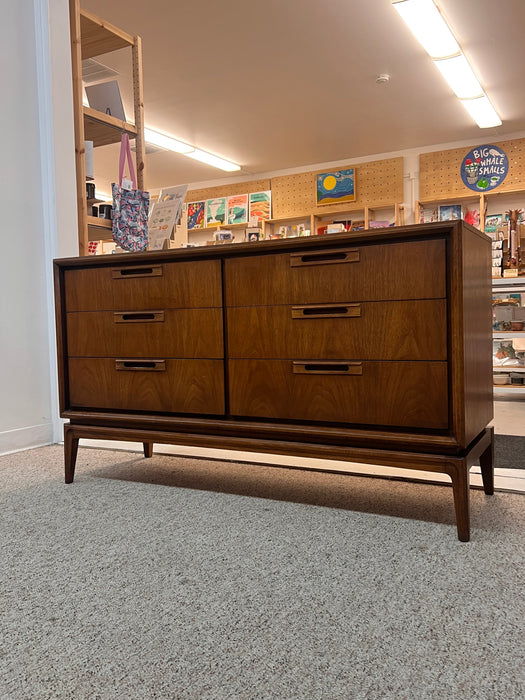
{"x": 372, "y": 347}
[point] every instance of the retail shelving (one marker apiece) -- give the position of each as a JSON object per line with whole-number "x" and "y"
{"x": 92, "y": 36}
{"x": 510, "y": 285}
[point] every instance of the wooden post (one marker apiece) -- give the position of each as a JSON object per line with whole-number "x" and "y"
{"x": 138, "y": 103}
{"x": 76, "y": 61}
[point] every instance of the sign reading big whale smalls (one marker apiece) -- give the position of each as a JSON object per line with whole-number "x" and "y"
{"x": 484, "y": 168}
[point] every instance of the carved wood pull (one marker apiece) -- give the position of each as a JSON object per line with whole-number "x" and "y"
{"x": 314, "y": 367}
{"x": 122, "y": 273}
{"x": 327, "y": 311}
{"x": 325, "y": 257}
{"x": 138, "y": 317}
{"x": 141, "y": 365}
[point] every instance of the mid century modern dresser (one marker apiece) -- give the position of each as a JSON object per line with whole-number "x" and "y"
{"x": 372, "y": 347}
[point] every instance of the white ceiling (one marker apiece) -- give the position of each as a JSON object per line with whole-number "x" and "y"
{"x": 277, "y": 84}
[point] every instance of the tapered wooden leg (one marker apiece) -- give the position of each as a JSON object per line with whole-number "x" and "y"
{"x": 70, "y": 453}
{"x": 486, "y": 462}
{"x": 460, "y": 487}
{"x": 148, "y": 449}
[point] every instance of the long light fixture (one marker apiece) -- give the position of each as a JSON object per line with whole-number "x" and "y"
{"x": 429, "y": 27}
{"x": 166, "y": 142}
{"x": 169, "y": 143}
{"x": 211, "y": 159}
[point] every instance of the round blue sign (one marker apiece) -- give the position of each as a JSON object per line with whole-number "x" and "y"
{"x": 484, "y": 168}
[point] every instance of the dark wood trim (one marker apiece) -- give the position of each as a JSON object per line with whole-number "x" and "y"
{"x": 455, "y": 467}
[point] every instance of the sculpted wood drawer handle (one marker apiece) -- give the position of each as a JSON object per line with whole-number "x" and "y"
{"x": 141, "y": 365}
{"x": 122, "y": 273}
{"x": 138, "y": 317}
{"x": 348, "y": 368}
{"x": 325, "y": 257}
{"x": 332, "y": 311}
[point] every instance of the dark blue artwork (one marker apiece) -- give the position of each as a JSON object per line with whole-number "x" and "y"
{"x": 484, "y": 168}
{"x": 335, "y": 187}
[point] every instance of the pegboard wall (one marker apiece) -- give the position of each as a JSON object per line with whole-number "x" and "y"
{"x": 377, "y": 183}
{"x": 227, "y": 190}
{"x": 440, "y": 176}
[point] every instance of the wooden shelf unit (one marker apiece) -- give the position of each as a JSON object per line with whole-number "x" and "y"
{"x": 92, "y": 36}
{"x": 316, "y": 217}
{"x": 481, "y": 201}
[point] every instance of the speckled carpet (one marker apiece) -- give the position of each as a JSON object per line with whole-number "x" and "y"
{"x": 509, "y": 452}
{"x": 177, "y": 578}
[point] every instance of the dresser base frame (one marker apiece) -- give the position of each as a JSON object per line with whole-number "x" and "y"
{"x": 455, "y": 466}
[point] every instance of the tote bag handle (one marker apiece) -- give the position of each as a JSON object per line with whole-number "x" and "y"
{"x": 125, "y": 153}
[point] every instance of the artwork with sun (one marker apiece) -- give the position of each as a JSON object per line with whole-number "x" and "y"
{"x": 336, "y": 187}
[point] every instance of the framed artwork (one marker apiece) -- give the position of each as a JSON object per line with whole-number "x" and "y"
{"x": 449, "y": 212}
{"x": 216, "y": 211}
{"x": 336, "y": 187}
{"x": 196, "y": 215}
{"x": 261, "y": 205}
{"x": 238, "y": 209}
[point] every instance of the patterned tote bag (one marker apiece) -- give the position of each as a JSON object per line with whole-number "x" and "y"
{"x": 130, "y": 207}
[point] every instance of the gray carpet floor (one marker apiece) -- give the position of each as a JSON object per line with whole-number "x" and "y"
{"x": 181, "y": 578}
{"x": 509, "y": 451}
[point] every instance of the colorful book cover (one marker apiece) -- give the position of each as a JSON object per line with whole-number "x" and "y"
{"x": 196, "y": 215}
{"x": 238, "y": 209}
{"x": 428, "y": 214}
{"x": 449, "y": 212}
{"x": 216, "y": 211}
{"x": 261, "y": 205}
{"x": 493, "y": 222}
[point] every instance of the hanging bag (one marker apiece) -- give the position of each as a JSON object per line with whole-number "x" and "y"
{"x": 130, "y": 207}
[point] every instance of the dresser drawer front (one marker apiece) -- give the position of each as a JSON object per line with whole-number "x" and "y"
{"x": 394, "y": 394}
{"x": 182, "y": 333}
{"x": 170, "y": 285}
{"x": 411, "y": 270}
{"x": 396, "y": 330}
{"x": 169, "y": 386}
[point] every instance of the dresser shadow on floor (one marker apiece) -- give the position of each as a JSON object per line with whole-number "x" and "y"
{"x": 395, "y": 497}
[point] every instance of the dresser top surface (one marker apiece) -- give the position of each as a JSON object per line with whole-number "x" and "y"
{"x": 385, "y": 235}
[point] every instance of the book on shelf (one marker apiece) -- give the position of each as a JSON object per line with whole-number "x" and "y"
{"x": 427, "y": 215}
{"x": 449, "y": 212}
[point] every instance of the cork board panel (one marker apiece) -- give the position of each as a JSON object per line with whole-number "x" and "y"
{"x": 440, "y": 177}
{"x": 377, "y": 183}
{"x": 227, "y": 190}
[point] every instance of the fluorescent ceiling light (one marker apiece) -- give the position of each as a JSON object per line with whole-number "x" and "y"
{"x": 482, "y": 112}
{"x": 171, "y": 144}
{"x": 210, "y": 159}
{"x": 167, "y": 142}
{"x": 428, "y": 26}
{"x": 460, "y": 76}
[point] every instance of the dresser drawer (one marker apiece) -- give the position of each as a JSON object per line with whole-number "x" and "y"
{"x": 168, "y": 333}
{"x": 379, "y": 330}
{"x": 169, "y": 386}
{"x": 394, "y": 394}
{"x": 411, "y": 270}
{"x": 170, "y": 285}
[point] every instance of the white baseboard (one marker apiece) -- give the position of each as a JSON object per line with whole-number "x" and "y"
{"x": 26, "y": 438}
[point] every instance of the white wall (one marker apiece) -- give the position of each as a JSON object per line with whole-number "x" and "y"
{"x": 28, "y": 407}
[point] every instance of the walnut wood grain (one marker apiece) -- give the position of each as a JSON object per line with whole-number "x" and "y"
{"x": 412, "y": 270}
{"x": 184, "y": 285}
{"x": 409, "y": 394}
{"x": 410, "y": 315}
{"x": 183, "y": 333}
{"x": 393, "y": 330}
{"x": 186, "y": 386}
